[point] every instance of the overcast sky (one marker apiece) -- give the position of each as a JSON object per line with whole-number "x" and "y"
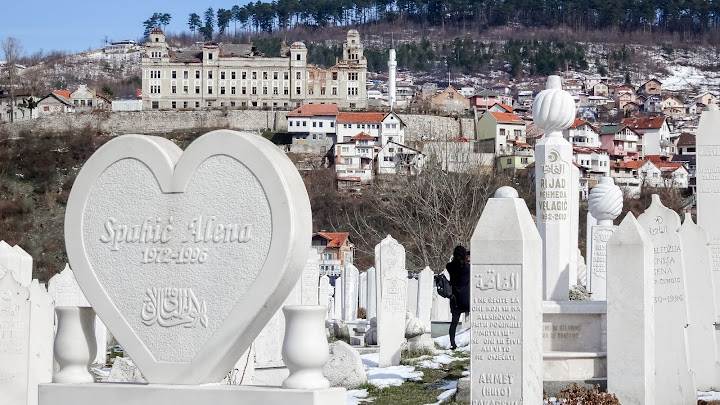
{"x": 74, "y": 26}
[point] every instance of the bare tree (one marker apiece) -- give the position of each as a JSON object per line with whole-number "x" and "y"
{"x": 13, "y": 49}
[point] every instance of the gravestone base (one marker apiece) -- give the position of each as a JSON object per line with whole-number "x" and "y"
{"x": 271, "y": 375}
{"x": 153, "y": 394}
{"x": 553, "y": 388}
{"x": 574, "y": 340}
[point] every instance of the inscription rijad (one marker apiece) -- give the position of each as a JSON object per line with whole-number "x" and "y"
{"x": 173, "y": 307}
{"x": 554, "y": 189}
{"x": 496, "y": 346}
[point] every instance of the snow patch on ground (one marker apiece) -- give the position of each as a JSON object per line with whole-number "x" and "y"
{"x": 392, "y": 376}
{"x": 462, "y": 340}
{"x": 356, "y": 397}
{"x": 437, "y": 361}
{"x": 370, "y": 359}
{"x": 709, "y": 396}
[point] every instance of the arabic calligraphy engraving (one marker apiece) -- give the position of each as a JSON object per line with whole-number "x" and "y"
{"x": 498, "y": 281}
{"x": 171, "y": 306}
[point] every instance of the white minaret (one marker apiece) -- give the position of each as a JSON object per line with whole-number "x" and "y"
{"x": 392, "y": 65}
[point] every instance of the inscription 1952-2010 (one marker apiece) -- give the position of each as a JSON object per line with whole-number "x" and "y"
{"x": 163, "y": 231}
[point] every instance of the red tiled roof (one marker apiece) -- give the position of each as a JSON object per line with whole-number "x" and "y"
{"x": 63, "y": 93}
{"x": 506, "y": 107}
{"x": 507, "y": 118}
{"x": 643, "y": 123}
{"x": 360, "y": 117}
{"x": 634, "y": 164}
{"x": 362, "y": 136}
{"x": 577, "y": 123}
{"x": 335, "y": 239}
{"x": 311, "y": 110}
{"x": 686, "y": 139}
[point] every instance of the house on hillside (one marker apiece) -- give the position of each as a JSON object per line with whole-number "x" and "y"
{"x": 488, "y": 98}
{"x": 522, "y": 156}
{"x": 653, "y": 104}
{"x": 600, "y": 89}
{"x": 673, "y": 107}
{"x": 504, "y": 108}
{"x": 87, "y": 99}
{"x": 19, "y": 110}
{"x": 706, "y": 98}
{"x": 624, "y": 97}
{"x": 500, "y": 132}
{"x": 396, "y": 158}
{"x": 581, "y": 133}
{"x": 594, "y": 163}
{"x": 355, "y": 160}
{"x": 313, "y": 124}
{"x": 652, "y": 87}
{"x": 336, "y": 251}
{"x": 449, "y": 101}
{"x": 625, "y": 175}
{"x": 57, "y": 102}
{"x": 656, "y": 171}
{"x": 619, "y": 141}
{"x": 654, "y": 136}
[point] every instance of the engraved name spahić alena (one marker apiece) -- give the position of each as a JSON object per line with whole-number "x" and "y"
{"x": 171, "y": 306}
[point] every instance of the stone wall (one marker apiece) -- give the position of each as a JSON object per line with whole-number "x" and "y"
{"x": 431, "y": 127}
{"x": 154, "y": 122}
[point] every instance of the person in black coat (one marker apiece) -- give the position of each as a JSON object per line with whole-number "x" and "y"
{"x": 459, "y": 269}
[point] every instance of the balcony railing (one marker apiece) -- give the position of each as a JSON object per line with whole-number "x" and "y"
{"x": 629, "y": 138}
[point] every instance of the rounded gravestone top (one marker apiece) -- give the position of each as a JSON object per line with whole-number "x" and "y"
{"x": 605, "y": 200}
{"x": 506, "y": 192}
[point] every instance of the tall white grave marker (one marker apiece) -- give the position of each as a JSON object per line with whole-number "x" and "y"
{"x": 371, "y": 293}
{"x": 630, "y": 314}
{"x": 337, "y": 310}
{"x": 506, "y": 300}
{"x": 362, "y": 290}
{"x": 412, "y": 296}
{"x": 605, "y": 203}
{"x": 324, "y": 291}
{"x": 708, "y": 189}
{"x": 390, "y": 262}
{"x": 18, "y": 261}
{"x": 425, "y": 291}
{"x": 198, "y": 247}
{"x": 554, "y": 110}
{"x": 701, "y": 305}
{"x": 310, "y": 279}
{"x": 14, "y": 341}
{"x": 350, "y": 292}
{"x": 674, "y": 383}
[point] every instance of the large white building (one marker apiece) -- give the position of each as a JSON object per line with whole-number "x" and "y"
{"x": 230, "y": 75}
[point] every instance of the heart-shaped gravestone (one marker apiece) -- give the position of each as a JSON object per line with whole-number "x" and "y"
{"x": 186, "y": 256}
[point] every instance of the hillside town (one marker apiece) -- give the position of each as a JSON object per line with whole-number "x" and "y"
{"x": 637, "y": 133}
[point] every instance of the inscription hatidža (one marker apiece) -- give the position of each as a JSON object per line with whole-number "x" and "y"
{"x": 170, "y": 307}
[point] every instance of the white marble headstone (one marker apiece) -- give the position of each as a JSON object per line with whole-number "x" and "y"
{"x": 390, "y": 263}
{"x": 186, "y": 256}
{"x": 506, "y": 315}
{"x": 701, "y": 305}
{"x": 362, "y": 290}
{"x": 412, "y": 296}
{"x": 426, "y": 287}
{"x": 674, "y": 383}
{"x": 310, "y": 279}
{"x": 16, "y": 260}
{"x": 371, "y": 293}
{"x": 708, "y": 189}
{"x": 14, "y": 341}
{"x": 350, "y": 292}
{"x": 324, "y": 291}
{"x": 338, "y": 296}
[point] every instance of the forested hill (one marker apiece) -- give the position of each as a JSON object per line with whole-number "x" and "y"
{"x": 687, "y": 17}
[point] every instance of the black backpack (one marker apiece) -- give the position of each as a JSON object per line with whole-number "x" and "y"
{"x": 443, "y": 287}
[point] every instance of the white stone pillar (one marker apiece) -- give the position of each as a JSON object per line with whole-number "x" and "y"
{"x": 505, "y": 276}
{"x": 392, "y": 66}
{"x": 674, "y": 382}
{"x": 371, "y": 293}
{"x": 350, "y": 292}
{"x": 554, "y": 110}
{"x": 426, "y": 286}
{"x": 630, "y": 314}
{"x": 701, "y": 305}
{"x": 708, "y": 189}
{"x": 605, "y": 203}
{"x": 390, "y": 263}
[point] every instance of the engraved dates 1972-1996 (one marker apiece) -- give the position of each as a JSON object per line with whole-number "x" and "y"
{"x": 186, "y": 255}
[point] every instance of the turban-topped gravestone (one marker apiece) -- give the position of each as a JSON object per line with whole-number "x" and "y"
{"x": 185, "y": 256}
